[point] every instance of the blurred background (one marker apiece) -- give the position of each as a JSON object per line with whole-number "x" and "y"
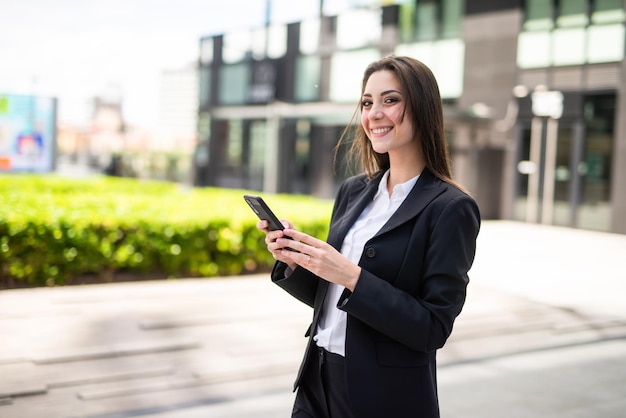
{"x": 254, "y": 94}
{"x": 210, "y": 97}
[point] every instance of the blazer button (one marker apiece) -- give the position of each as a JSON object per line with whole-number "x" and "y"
{"x": 370, "y": 252}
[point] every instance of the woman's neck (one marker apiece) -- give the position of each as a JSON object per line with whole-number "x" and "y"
{"x": 403, "y": 170}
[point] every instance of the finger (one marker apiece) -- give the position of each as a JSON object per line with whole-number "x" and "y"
{"x": 302, "y": 237}
{"x": 294, "y": 245}
{"x": 302, "y": 259}
{"x": 262, "y": 225}
{"x": 270, "y": 240}
{"x": 274, "y": 235}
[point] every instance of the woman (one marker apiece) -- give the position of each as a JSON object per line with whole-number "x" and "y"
{"x": 392, "y": 276}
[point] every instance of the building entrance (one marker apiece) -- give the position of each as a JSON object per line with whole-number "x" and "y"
{"x": 563, "y": 172}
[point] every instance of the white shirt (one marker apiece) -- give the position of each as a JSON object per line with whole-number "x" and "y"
{"x": 331, "y": 329}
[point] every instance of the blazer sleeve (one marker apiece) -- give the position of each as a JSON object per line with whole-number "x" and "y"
{"x": 301, "y": 283}
{"x": 423, "y": 321}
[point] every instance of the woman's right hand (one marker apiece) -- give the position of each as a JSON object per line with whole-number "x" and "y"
{"x": 270, "y": 241}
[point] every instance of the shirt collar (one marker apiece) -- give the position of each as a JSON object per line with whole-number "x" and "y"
{"x": 401, "y": 189}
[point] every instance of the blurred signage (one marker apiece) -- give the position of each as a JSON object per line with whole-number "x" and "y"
{"x": 27, "y": 133}
{"x": 548, "y": 104}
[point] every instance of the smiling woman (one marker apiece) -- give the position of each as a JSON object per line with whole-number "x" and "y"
{"x": 389, "y": 282}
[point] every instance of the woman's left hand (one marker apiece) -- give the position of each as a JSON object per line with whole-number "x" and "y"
{"x": 320, "y": 258}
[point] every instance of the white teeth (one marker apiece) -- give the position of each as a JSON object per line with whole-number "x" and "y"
{"x": 380, "y": 130}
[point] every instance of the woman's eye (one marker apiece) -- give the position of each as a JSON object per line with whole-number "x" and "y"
{"x": 366, "y": 103}
{"x": 391, "y": 100}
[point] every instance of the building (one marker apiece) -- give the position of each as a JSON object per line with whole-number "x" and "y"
{"x": 178, "y": 104}
{"x": 534, "y": 100}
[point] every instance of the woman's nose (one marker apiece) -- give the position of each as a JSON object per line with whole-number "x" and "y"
{"x": 376, "y": 113}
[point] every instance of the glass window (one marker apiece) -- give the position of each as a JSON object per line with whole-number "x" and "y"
{"x": 206, "y": 51}
{"x": 423, "y": 51}
{"x": 204, "y": 125}
{"x": 448, "y": 69}
{"x": 236, "y": 47}
{"x": 235, "y": 140}
{"x": 309, "y": 36}
{"x": 451, "y": 18}
{"x": 605, "y": 43}
{"x": 359, "y": 28}
{"x": 346, "y": 69}
{"x": 533, "y": 49}
{"x": 572, "y": 13}
{"x": 204, "y": 89}
{"x": 607, "y": 11}
{"x": 568, "y": 46}
{"x": 538, "y": 15}
{"x": 525, "y": 168}
{"x": 444, "y": 58}
{"x": 574, "y": 42}
{"x": 259, "y": 43}
{"x": 276, "y": 41}
{"x": 427, "y": 20}
{"x": 562, "y": 212}
{"x": 258, "y": 134}
{"x": 595, "y": 169}
{"x": 406, "y": 21}
{"x": 269, "y": 42}
{"x": 233, "y": 84}
{"x": 308, "y": 70}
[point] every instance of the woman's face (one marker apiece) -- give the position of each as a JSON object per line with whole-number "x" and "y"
{"x": 382, "y": 110}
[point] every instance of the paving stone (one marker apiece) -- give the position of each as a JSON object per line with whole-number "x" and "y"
{"x": 120, "y": 350}
{"x": 546, "y": 338}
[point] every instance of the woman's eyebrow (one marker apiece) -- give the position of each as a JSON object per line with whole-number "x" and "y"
{"x": 382, "y": 93}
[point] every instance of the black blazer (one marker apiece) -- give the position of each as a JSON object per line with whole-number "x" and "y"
{"x": 411, "y": 288}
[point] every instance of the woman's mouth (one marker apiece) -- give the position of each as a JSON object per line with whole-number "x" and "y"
{"x": 378, "y": 131}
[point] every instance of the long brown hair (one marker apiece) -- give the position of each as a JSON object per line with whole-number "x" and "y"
{"x": 423, "y": 104}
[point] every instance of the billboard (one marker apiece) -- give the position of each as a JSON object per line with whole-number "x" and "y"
{"x": 27, "y": 133}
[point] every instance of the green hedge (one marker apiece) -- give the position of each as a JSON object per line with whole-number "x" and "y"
{"x": 56, "y": 230}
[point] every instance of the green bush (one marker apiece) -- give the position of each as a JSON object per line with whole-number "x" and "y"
{"x": 56, "y": 230}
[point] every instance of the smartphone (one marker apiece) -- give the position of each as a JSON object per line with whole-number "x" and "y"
{"x": 263, "y": 211}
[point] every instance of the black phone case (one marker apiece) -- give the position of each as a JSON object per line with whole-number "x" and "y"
{"x": 263, "y": 211}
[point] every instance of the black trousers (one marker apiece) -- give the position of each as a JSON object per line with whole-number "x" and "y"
{"x": 322, "y": 392}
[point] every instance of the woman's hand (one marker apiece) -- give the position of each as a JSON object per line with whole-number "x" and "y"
{"x": 317, "y": 256}
{"x": 270, "y": 241}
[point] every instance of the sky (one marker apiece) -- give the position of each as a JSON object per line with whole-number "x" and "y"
{"x": 78, "y": 49}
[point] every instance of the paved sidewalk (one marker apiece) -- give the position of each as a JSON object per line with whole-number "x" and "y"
{"x": 543, "y": 334}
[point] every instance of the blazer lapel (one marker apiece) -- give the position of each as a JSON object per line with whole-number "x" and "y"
{"x": 427, "y": 188}
{"x": 358, "y": 199}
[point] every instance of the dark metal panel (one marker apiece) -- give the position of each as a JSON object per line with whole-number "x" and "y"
{"x": 487, "y": 6}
